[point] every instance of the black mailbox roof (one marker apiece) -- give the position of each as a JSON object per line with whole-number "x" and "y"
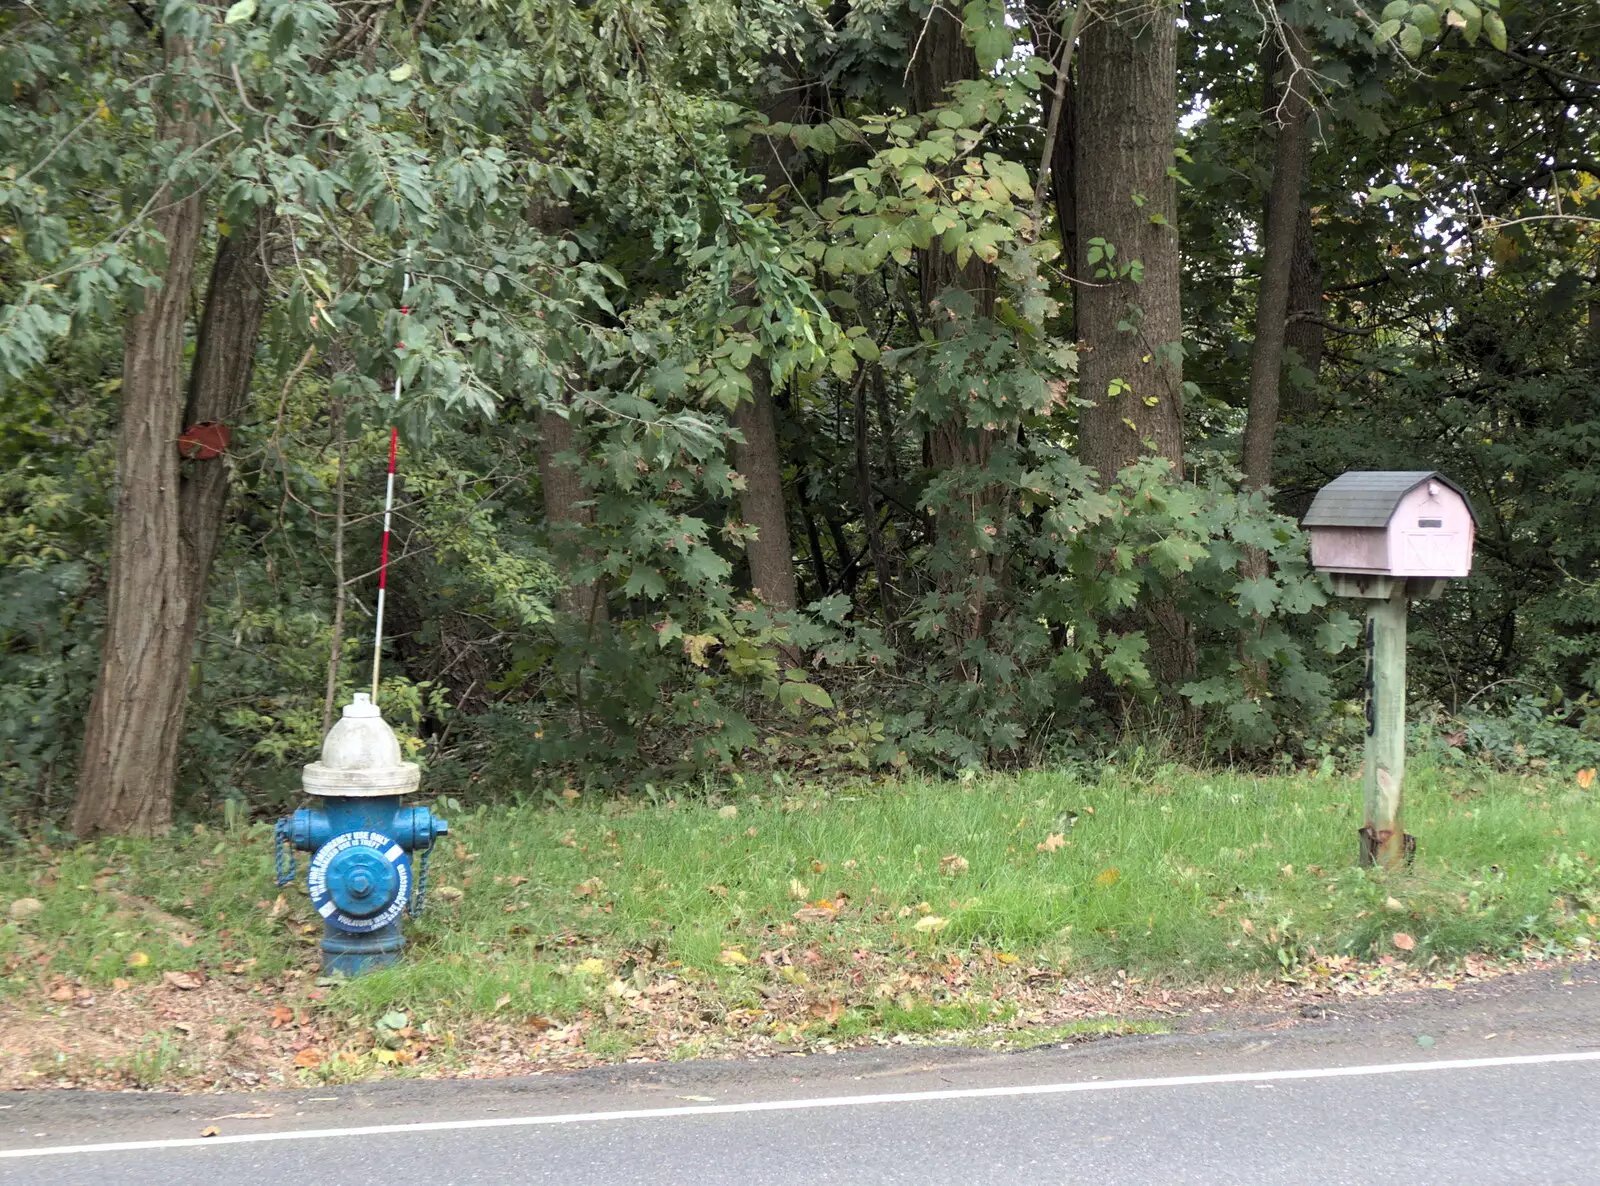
{"x": 1368, "y": 497}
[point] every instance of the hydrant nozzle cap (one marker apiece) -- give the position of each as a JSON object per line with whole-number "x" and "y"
{"x": 361, "y": 706}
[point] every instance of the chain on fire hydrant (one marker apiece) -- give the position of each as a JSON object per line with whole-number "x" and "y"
{"x": 360, "y": 875}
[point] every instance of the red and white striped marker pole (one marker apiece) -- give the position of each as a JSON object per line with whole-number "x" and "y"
{"x": 388, "y": 513}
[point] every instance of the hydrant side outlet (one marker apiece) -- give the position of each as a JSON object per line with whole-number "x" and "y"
{"x": 360, "y": 876}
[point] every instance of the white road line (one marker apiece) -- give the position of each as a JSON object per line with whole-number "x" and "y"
{"x": 840, "y": 1101}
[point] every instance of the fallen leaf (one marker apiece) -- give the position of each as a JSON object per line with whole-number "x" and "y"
{"x": 137, "y": 959}
{"x": 798, "y": 890}
{"x": 388, "y": 1057}
{"x": 1404, "y": 941}
{"x": 570, "y": 795}
{"x": 278, "y": 907}
{"x": 64, "y": 993}
{"x": 282, "y": 1015}
{"x": 1005, "y": 957}
{"x": 1425, "y": 1041}
{"x": 1585, "y": 779}
{"x": 731, "y": 956}
{"x": 728, "y": 812}
{"x": 517, "y": 880}
{"x": 539, "y": 1024}
{"x": 393, "y": 1020}
{"x": 1051, "y": 842}
{"x": 118, "y": 984}
{"x": 953, "y": 865}
{"x": 1247, "y": 926}
{"x": 1394, "y": 904}
{"x": 502, "y": 1001}
{"x": 184, "y": 981}
{"x": 1108, "y": 877}
{"x": 308, "y": 1058}
{"x": 818, "y": 867}
{"x": 211, "y": 1130}
{"x": 590, "y": 967}
{"x": 821, "y": 910}
{"x": 931, "y": 924}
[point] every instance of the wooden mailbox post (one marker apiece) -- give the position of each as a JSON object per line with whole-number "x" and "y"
{"x": 1388, "y": 536}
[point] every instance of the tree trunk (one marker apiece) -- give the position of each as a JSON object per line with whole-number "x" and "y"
{"x": 761, "y": 504}
{"x": 943, "y": 58}
{"x": 1291, "y": 114}
{"x": 566, "y": 512}
{"x": 1305, "y": 333}
{"x": 1129, "y": 319}
{"x": 1063, "y": 155}
{"x": 866, "y": 499}
{"x": 135, "y": 722}
{"x": 1126, "y": 135}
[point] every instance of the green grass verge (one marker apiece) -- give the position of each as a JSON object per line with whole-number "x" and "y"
{"x": 1161, "y": 873}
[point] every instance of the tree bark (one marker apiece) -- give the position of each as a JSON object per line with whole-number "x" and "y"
{"x": 1126, "y": 136}
{"x": 1131, "y": 326}
{"x": 867, "y": 500}
{"x": 567, "y": 512}
{"x": 336, "y": 643}
{"x": 1305, "y": 334}
{"x": 135, "y": 722}
{"x": 1292, "y": 116}
{"x": 566, "y": 500}
{"x": 971, "y": 568}
{"x": 761, "y": 504}
{"x": 1063, "y": 154}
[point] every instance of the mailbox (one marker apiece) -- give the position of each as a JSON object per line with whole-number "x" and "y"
{"x": 1389, "y": 536}
{"x": 1373, "y": 530}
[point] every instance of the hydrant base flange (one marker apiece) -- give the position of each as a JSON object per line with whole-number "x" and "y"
{"x": 351, "y": 955}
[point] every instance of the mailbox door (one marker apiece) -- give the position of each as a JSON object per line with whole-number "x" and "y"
{"x": 1431, "y": 533}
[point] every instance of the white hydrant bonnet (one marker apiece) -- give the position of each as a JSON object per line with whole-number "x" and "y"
{"x": 361, "y": 757}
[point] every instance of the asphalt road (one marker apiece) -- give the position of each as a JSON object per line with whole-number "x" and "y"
{"x": 1504, "y": 1088}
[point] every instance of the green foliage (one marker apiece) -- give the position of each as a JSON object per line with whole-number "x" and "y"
{"x": 635, "y": 219}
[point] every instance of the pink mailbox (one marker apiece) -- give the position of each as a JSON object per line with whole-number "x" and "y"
{"x": 1372, "y": 529}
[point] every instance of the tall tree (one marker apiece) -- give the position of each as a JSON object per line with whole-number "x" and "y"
{"x": 969, "y": 570}
{"x": 1290, "y": 115}
{"x": 135, "y": 723}
{"x": 1129, "y": 318}
{"x": 770, "y": 554}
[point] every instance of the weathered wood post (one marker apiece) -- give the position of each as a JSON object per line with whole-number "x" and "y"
{"x": 1388, "y": 536}
{"x": 1383, "y": 840}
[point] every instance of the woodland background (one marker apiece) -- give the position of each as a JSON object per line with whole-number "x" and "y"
{"x": 816, "y": 388}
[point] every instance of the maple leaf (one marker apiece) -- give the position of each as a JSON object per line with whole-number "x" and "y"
{"x": 308, "y": 1058}
{"x": 732, "y": 956}
{"x": 1586, "y": 778}
{"x": 931, "y": 924}
{"x": 1404, "y": 941}
{"x": 953, "y": 865}
{"x": 1051, "y": 842}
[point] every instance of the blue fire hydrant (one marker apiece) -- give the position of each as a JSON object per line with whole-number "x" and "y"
{"x": 361, "y": 841}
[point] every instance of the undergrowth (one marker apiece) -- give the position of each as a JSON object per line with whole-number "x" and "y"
{"x": 1149, "y": 872}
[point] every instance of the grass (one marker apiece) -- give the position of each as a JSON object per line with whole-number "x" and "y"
{"x": 567, "y": 912}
